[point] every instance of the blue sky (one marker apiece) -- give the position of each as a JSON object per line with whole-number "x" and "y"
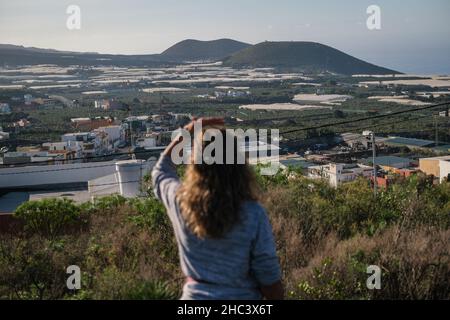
{"x": 414, "y": 35}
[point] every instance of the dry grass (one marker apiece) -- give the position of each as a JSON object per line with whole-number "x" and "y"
{"x": 415, "y": 265}
{"x": 325, "y": 238}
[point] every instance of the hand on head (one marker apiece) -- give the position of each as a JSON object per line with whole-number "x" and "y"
{"x": 205, "y": 122}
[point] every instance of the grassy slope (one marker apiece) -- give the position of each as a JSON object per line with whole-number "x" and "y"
{"x": 325, "y": 239}
{"x": 198, "y": 50}
{"x": 304, "y": 55}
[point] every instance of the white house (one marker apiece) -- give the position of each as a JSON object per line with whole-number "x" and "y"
{"x": 77, "y": 136}
{"x": 146, "y": 142}
{"x": 114, "y": 133}
{"x": 337, "y": 173}
{"x": 444, "y": 170}
{"x": 237, "y": 94}
{"x": 74, "y": 148}
{"x": 435, "y": 166}
{"x": 91, "y": 142}
{"x": 101, "y": 104}
{"x": 5, "y": 108}
{"x": 220, "y": 94}
{"x": 444, "y": 113}
{"x": 3, "y": 135}
{"x": 28, "y": 99}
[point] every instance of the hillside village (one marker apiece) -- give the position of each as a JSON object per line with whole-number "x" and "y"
{"x": 327, "y": 175}
{"x": 52, "y": 117}
{"x": 100, "y": 141}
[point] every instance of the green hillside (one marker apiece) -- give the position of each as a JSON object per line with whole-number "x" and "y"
{"x": 203, "y": 50}
{"x": 309, "y": 56}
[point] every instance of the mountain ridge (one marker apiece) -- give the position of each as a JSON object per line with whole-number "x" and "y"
{"x": 303, "y": 55}
{"x": 310, "y": 56}
{"x": 20, "y": 55}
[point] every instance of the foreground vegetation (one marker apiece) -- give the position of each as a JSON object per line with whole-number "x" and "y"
{"x": 325, "y": 237}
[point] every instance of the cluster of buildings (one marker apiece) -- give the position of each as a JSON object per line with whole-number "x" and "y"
{"x": 17, "y": 126}
{"x": 154, "y": 130}
{"x": 226, "y": 93}
{"x": 100, "y": 136}
{"x": 106, "y": 136}
{"x": 72, "y": 146}
{"x": 358, "y": 142}
{"x": 29, "y": 101}
{"x": 337, "y": 173}
{"x": 388, "y": 169}
{"x": 232, "y": 94}
{"x": 70, "y": 173}
{"x": 353, "y": 159}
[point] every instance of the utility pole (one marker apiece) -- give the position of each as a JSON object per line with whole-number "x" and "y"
{"x": 131, "y": 134}
{"x": 374, "y": 154}
{"x": 436, "y": 133}
{"x": 371, "y": 135}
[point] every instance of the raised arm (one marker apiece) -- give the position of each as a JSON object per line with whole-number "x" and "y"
{"x": 164, "y": 175}
{"x": 165, "y": 180}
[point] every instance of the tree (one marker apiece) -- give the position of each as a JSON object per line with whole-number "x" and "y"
{"x": 339, "y": 114}
{"x": 48, "y": 217}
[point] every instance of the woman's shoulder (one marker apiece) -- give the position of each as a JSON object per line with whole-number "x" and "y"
{"x": 252, "y": 217}
{"x": 253, "y": 209}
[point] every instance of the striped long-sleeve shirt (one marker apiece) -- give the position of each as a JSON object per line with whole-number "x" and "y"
{"x": 232, "y": 267}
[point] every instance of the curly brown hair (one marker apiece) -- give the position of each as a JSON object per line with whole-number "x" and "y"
{"x": 211, "y": 195}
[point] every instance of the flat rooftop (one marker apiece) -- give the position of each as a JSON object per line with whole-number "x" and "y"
{"x": 95, "y": 188}
{"x": 388, "y": 160}
{"x": 409, "y": 142}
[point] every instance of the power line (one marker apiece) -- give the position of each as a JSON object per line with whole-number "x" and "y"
{"x": 369, "y": 126}
{"x": 366, "y": 118}
{"x": 112, "y": 164}
{"x": 114, "y": 183}
{"x": 366, "y": 127}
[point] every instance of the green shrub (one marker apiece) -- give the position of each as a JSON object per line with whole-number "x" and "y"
{"x": 35, "y": 268}
{"x": 150, "y": 213}
{"x": 151, "y": 290}
{"x": 124, "y": 285}
{"x": 103, "y": 204}
{"x": 48, "y": 217}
